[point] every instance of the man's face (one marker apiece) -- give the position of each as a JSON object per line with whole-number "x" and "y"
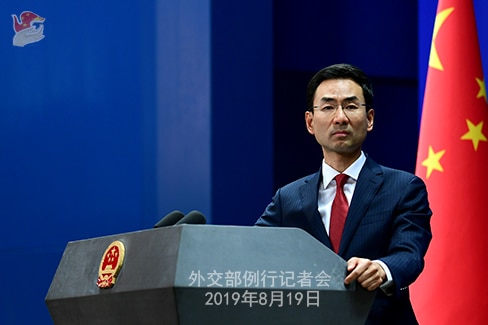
{"x": 339, "y": 120}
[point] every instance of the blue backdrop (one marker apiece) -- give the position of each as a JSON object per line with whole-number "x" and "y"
{"x": 127, "y": 110}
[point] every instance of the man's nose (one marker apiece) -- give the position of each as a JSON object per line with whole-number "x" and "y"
{"x": 340, "y": 114}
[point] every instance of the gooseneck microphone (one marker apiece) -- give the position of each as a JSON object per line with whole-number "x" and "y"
{"x": 194, "y": 218}
{"x": 169, "y": 219}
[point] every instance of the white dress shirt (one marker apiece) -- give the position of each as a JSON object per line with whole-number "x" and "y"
{"x": 328, "y": 187}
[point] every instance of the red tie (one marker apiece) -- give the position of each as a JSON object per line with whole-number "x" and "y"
{"x": 338, "y": 212}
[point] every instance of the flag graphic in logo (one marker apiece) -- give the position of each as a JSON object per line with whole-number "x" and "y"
{"x": 28, "y": 28}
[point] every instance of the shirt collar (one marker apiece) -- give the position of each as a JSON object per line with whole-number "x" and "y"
{"x": 328, "y": 173}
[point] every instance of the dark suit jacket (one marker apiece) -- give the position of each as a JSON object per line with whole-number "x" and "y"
{"x": 388, "y": 219}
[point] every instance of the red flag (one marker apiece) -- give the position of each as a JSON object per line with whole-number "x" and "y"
{"x": 453, "y": 161}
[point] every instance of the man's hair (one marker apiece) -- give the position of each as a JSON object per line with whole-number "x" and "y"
{"x": 340, "y": 71}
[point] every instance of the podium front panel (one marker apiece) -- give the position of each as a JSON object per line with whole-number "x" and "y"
{"x": 203, "y": 274}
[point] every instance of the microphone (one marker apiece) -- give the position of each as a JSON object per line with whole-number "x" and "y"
{"x": 194, "y": 218}
{"x": 170, "y": 219}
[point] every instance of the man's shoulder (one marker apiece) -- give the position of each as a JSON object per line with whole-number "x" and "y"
{"x": 395, "y": 171}
{"x": 391, "y": 174}
{"x": 379, "y": 168}
{"x": 302, "y": 181}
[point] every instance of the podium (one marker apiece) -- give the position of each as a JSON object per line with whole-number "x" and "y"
{"x": 205, "y": 274}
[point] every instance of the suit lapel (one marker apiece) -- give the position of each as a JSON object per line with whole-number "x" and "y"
{"x": 369, "y": 181}
{"x": 308, "y": 198}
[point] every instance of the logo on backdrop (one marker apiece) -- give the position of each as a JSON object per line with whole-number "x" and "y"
{"x": 111, "y": 263}
{"x": 28, "y": 27}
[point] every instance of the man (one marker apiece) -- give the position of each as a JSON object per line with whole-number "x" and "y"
{"x": 386, "y": 231}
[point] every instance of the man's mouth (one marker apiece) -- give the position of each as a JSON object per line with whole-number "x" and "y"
{"x": 340, "y": 133}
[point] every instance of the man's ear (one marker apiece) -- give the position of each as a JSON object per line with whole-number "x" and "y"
{"x": 309, "y": 122}
{"x": 370, "y": 116}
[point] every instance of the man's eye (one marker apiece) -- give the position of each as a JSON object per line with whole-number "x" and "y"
{"x": 351, "y": 107}
{"x": 328, "y": 108}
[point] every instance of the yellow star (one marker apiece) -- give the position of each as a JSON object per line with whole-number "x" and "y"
{"x": 482, "y": 92}
{"x": 474, "y": 134}
{"x": 434, "y": 60}
{"x": 433, "y": 161}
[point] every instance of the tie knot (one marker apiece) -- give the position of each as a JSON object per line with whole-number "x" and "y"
{"x": 341, "y": 180}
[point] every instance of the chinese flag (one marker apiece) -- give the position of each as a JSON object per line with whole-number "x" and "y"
{"x": 453, "y": 161}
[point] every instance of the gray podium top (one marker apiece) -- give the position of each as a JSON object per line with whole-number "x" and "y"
{"x": 204, "y": 274}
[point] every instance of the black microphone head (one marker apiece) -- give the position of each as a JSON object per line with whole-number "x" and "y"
{"x": 170, "y": 219}
{"x": 194, "y": 218}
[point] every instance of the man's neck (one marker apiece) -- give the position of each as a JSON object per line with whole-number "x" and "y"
{"x": 339, "y": 161}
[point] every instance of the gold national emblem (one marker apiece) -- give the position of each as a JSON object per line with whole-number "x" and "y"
{"x": 110, "y": 266}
